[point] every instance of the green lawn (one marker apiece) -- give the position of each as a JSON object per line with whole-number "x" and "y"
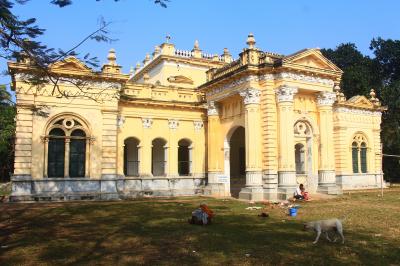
{"x": 156, "y": 232}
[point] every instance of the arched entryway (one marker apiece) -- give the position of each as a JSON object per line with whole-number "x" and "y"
{"x": 159, "y": 157}
{"x": 237, "y": 161}
{"x": 184, "y": 157}
{"x": 131, "y": 157}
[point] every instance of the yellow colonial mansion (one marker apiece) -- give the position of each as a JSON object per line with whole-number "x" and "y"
{"x": 186, "y": 122}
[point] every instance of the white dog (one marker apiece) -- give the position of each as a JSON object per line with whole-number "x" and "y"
{"x": 325, "y": 226}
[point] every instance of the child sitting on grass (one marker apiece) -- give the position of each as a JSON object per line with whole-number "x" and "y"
{"x": 202, "y": 215}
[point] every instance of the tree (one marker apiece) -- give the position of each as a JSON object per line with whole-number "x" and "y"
{"x": 7, "y": 129}
{"x": 18, "y": 41}
{"x": 358, "y": 77}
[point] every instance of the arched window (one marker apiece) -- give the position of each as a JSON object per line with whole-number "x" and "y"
{"x": 56, "y": 150}
{"x": 77, "y": 153}
{"x": 131, "y": 157}
{"x": 354, "y": 156}
{"x": 159, "y": 157}
{"x": 363, "y": 157}
{"x": 359, "y": 150}
{"x": 66, "y": 148}
{"x": 184, "y": 157}
{"x": 300, "y": 158}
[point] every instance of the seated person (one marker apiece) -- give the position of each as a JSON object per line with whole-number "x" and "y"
{"x": 202, "y": 215}
{"x": 301, "y": 193}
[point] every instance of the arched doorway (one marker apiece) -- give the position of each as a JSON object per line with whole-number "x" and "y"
{"x": 303, "y": 150}
{"x": 131, "y": 157}
{"x": 184, "y": 157}
{"x": 237, "y": 161}
{"x": 159, "y": 157}
{"x": 299, "y": 158}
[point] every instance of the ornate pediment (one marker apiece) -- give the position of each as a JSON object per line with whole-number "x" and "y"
{"x": 70, "y": 64}
{"x": 360, "y": 101}
{"x": 180, "y": 79}
{"x": 310, "y": 58}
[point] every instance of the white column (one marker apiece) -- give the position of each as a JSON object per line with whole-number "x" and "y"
{"x": 286, "y": 167}
{"x": 326, "y": 170}
{"x": 253, "y": 190}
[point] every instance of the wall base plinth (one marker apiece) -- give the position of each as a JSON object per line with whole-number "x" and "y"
{"x": 56, "y": 189}
{"x": 270, "y": 185}
{"x": 287, "y": 184}
{"x": 360, "y": 181}
{"x": 252, "y": 193}
{"x": 327, "y": 183}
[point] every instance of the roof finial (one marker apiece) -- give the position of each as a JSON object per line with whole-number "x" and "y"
{"x": 168, "y": 38}
{"x": 111, "y": 57}
{"x": 373, "y": 99}
{"x": 196, "y": 45}
{"x": 251, "y": 41}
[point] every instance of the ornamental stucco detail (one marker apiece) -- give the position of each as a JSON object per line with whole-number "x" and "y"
{"x": 250, "y": 96}
{"x": 357, "y": 111}
{"x": 120, "y": 121}
{"x": 147, "y": 122}
{"x": 302, "y": 77}
{"x": 326, "y": 98}
{"x": 173, "y": 123}
{"x": 285, "y": 93}
{"x": 232, "y": 84}
{"x": 198, "y": 125}
{"x": 212, "y": 108}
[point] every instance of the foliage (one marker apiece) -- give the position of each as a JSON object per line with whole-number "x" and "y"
{"x": 358, "y": 77}
{"x": 19, "y": 41}
{"x": 156, "y": 232}
{"x": 7, "y": 129}
{"x": 382, "y": 73}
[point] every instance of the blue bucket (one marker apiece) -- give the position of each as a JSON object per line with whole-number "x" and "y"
{"x": 292, "y": 211}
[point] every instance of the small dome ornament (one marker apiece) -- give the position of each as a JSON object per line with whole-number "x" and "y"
{"x": 112, "y": 57}
{"x": 196, "y": 45}
{"x": 251, "y": 41}
{"x": 373, "y": 98}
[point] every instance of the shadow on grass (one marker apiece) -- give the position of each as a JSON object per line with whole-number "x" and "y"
{"x": 157, "y": 233}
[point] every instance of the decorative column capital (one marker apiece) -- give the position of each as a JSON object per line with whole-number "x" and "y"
{"x": 250, "y": 96}
{"x": 326, "y": 98}
{"x": 285, "y": 93}
{"x": 147, "y": 122}
{"x": 212, "y": 108}
{"x": 198, "y": 125}
{"x": 173, "y": 123}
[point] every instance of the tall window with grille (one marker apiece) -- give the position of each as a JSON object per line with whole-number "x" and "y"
{"x": 359, "y": 154}
{"x": 66, "y": 148}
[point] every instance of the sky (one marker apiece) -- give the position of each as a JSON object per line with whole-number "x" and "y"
{"x": 283, "y": 26}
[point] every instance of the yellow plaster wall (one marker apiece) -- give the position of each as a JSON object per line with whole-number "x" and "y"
{"x": 86, "y": 109}
{"x": 346, "y": 125}
{"x": 169, "y": 68}
{"x": 133, "y": 127}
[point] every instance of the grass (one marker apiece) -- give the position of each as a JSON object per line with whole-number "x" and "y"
{"x": 156, "y": 232}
